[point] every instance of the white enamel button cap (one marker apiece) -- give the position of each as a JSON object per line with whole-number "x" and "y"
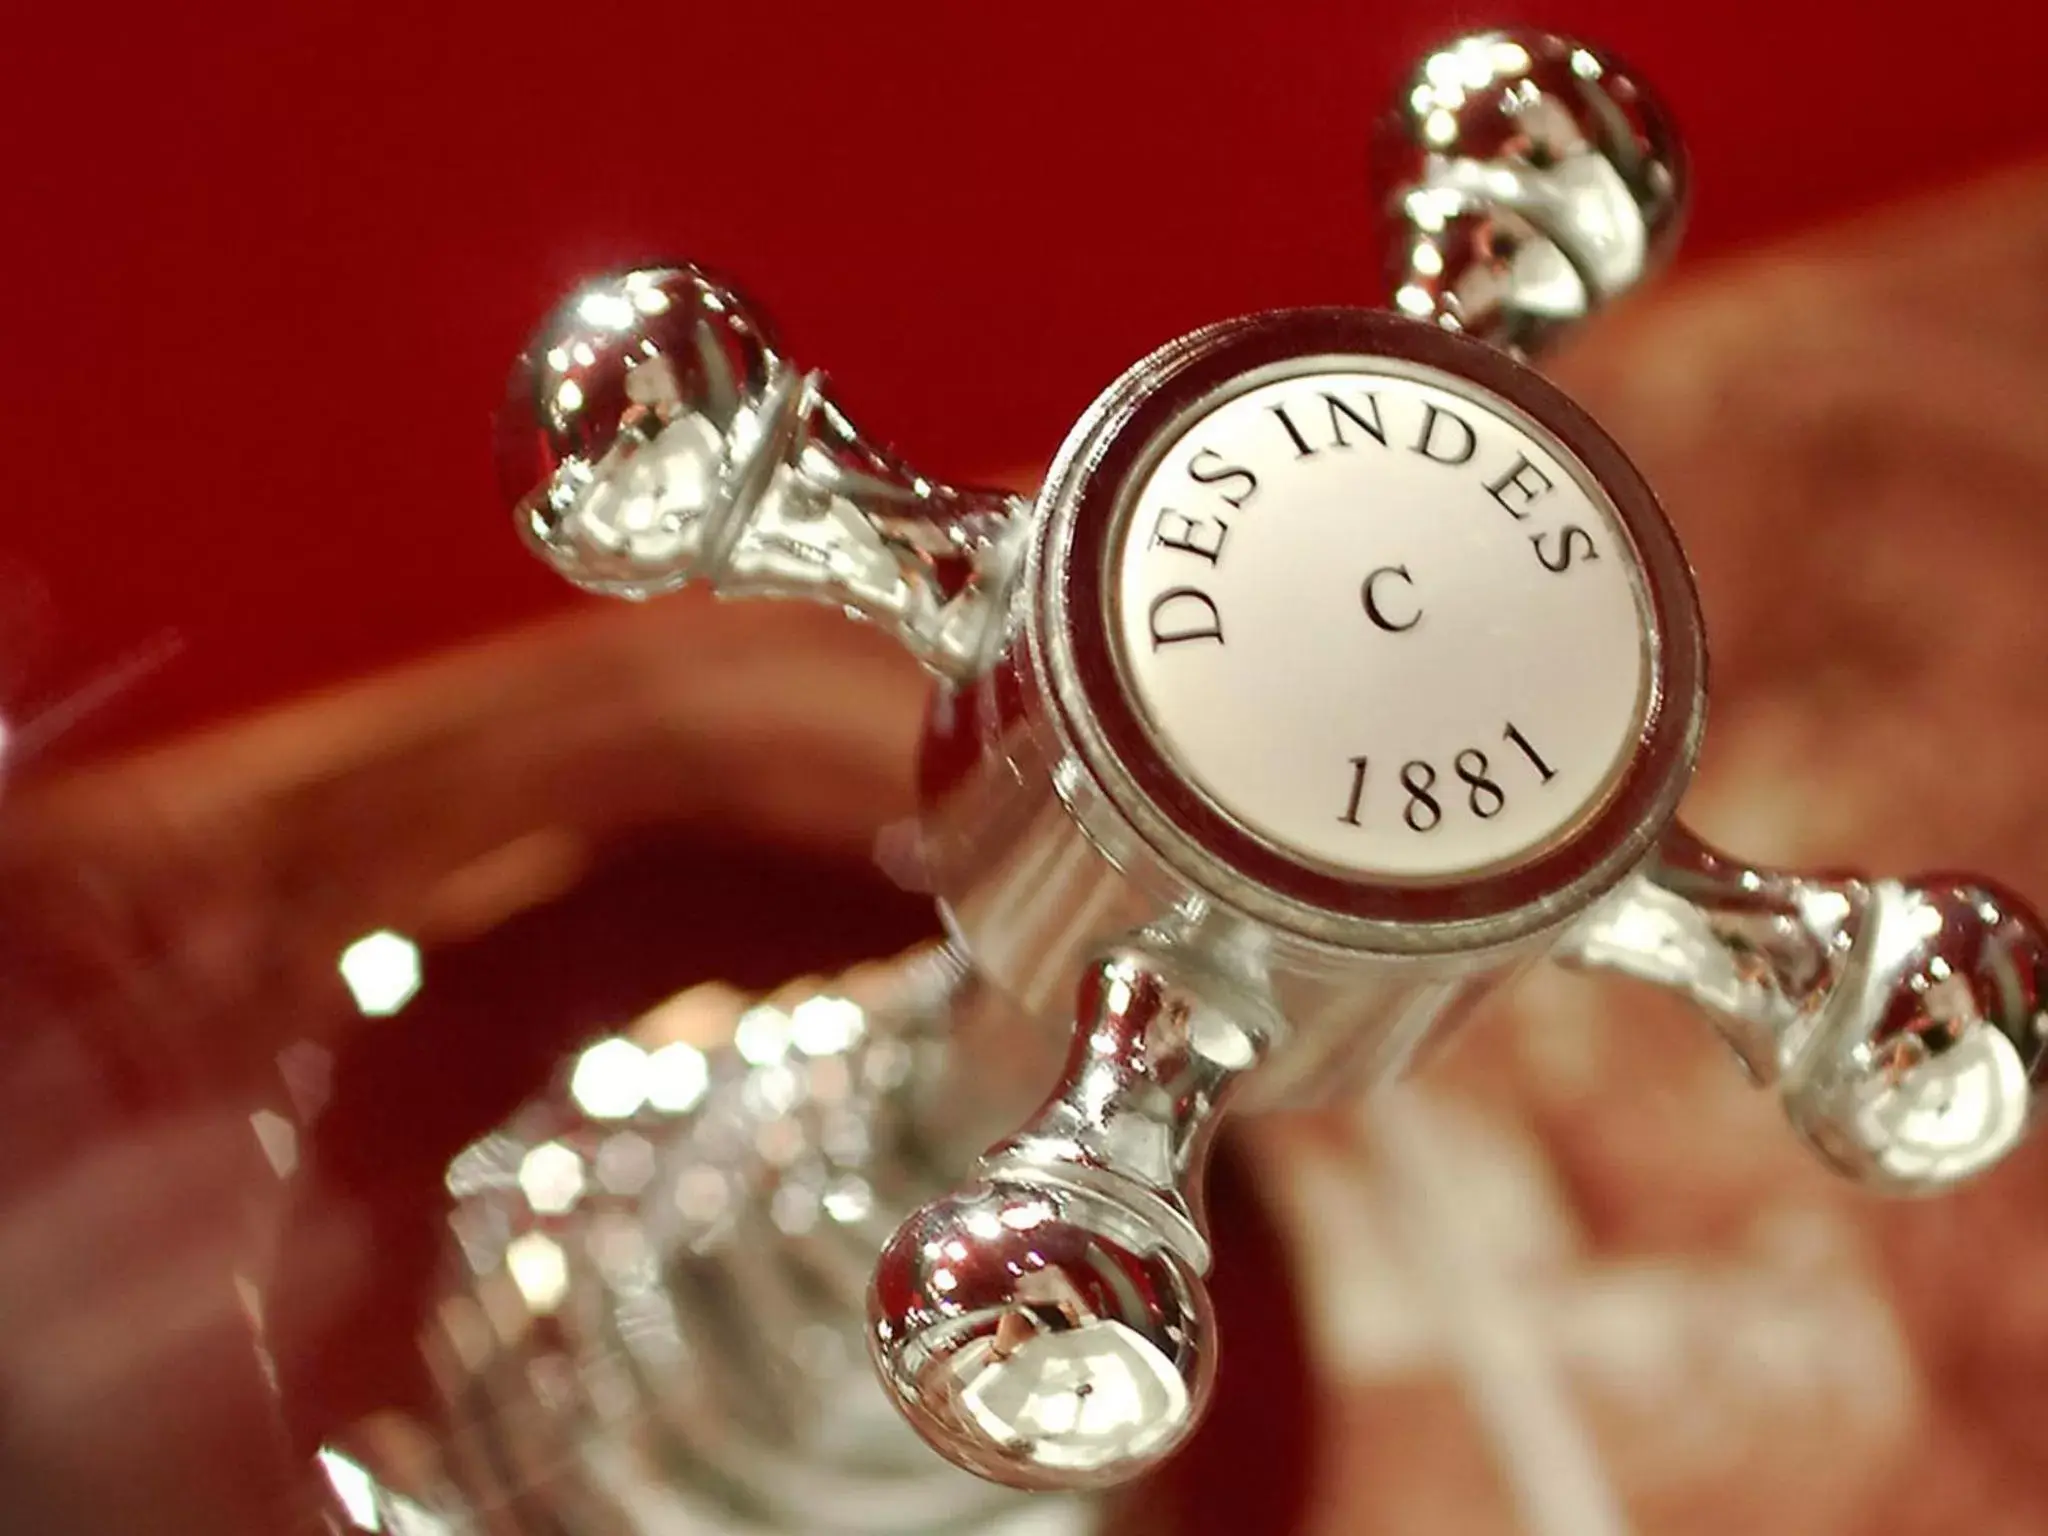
{"x": 1382, "y": 621}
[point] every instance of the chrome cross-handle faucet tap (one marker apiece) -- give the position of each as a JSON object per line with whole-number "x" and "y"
{"x": 1342, "y": 666}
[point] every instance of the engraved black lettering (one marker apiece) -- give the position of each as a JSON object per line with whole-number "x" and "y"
{"x": 1173, "y": 608}
{"x": 1422, "y": 813}
{"x": 1301, "y": 447}
{"x": 1340, "y": 413}
{"x": 1528, "y": 751}
{"x": 1392, "y": 623}
{"x": 1572, "y": 535}
{"x": 1485, "y": 799}
{"x": 1460, "y": 432}
{"x": 1191, "y": 535}
{"x": 1367, "y": 421}
{"x": 1357, "y": 792}
{"x": 1525, "y": 482}
{"x": 1221, "y": 474}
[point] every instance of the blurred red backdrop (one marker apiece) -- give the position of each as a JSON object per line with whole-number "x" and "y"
{"x": 267, "y": 263}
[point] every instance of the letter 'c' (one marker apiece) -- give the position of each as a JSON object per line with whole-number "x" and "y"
{"x": 1379, "y": 615}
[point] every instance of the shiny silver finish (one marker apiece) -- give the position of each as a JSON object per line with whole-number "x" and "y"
{"x": 1533, "y": 180}
{"x": 1046, "y": 1326}
{"x": 1541, "y": 182}
{"x": 1053, "y": 829}
{"x": 1047, "y": 1323}
{"x": 1530, "y": 179}
{"x": 1904, "y": 1024}
{"x": 650, "y": 1319}
{"x": 654, "y": 435}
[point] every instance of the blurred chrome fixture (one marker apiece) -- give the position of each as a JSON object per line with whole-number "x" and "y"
{"x": 651, "y": 1317}
{"x": 1341, "y": 666}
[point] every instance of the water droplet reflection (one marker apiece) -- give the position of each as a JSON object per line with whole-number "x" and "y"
{"x": 279, "y": 1140}
{"x": 352, "y": 1486}
{"x": 761, "y": 1036}
{"x": 539, "y": 1269}
{"x": 606, "y": 310}
{"x": 849, "y": 1199}
{"x": 824, "y": 1026}
{"x": 368, "y": 1505}
{"x": 551, "y": 1176}
{"x": 382, "y": 972}
{"x": 625, "y": 1164}
{"x": 610, "y": 1079}
{"x": 677, "y": 1077}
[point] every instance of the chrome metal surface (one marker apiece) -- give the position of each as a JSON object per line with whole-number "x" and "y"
{"x": 1530, "y": 180}
{"x": 1056, "y": 825}
{"x": 1903, "y": 1023}
{"x": 655, "y": 435}
{"x": 1046, "y": 1326}
{"x": 651, "y": 1315}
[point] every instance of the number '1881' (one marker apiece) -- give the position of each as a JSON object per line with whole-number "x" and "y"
{"x": 1471, "y": 787}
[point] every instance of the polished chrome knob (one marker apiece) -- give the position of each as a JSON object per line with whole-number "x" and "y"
{"x": 1381, "y": 790}
{"x": 1341, "y": 667}
{"x": 654, "y": 435}
{"x": 1033, "y": 1335}
{"x": 1904, "y": 1024}
{"x": 1531, "y": 179}
{"x": 1048, "y": 1326}
{"x": 1397, "y": 782}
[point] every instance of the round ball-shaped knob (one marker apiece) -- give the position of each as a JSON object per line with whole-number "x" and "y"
{"x": 1531, "y": 179}
{"x": 1038, "y": 1337}
{"x": 1922, "y": 1069}
{"x": 625, "y": 422}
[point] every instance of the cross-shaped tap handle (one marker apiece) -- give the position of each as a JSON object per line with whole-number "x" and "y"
{"x": 1341, "y": 666}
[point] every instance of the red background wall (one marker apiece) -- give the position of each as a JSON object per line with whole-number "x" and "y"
{"x": 266, "y": 263}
